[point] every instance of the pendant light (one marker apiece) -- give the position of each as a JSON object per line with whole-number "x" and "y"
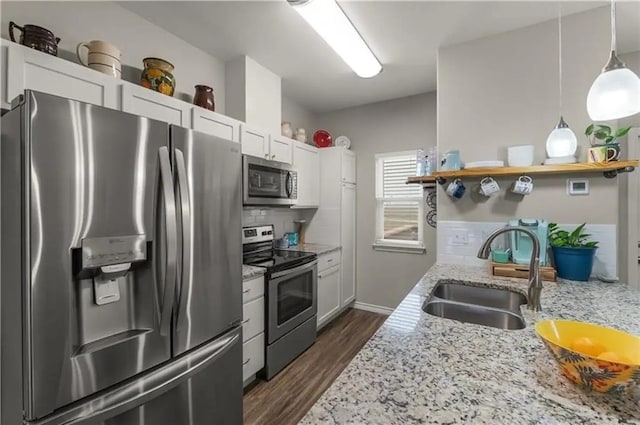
{"x": 616, "y": 92}
{"x": 562, "y": 142}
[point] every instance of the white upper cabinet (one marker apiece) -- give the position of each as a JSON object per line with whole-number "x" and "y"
{"x": 348, "y": 166}
{"x": 28, "y": 68}
{"x": 306, "y": 160}
{"x": 215, "y": 124}
{"x": 281, "y": 149}
{"x": 254, "y": 142}
{"x": 151, "y": 104}
{"x": 260, "y": 144}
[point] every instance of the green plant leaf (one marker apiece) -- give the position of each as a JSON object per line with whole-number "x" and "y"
{"x": 587, "y": 132}
{"x": 622, "y": 132}
{"x": 609, "y": 139}
{"x": 591, "y": 244}
{"x": 604, "y": 128}
{"x": 601, "y": 135}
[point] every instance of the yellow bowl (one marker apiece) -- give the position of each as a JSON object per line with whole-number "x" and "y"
{"x": 588, "y": 371}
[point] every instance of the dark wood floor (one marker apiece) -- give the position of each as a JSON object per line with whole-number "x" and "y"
{"x": 288, "y": 397}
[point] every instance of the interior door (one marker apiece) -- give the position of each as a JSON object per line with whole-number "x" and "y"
{"x": 93, "y": 228}
{"x": 208, "y": 174}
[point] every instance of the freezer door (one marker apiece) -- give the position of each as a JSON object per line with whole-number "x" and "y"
{"x": 201, "y": 387}
{"x": 208, "y": 190}
{"x": 101, "y": 244}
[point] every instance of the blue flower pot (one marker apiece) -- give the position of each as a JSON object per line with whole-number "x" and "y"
{"x": 574, "y": 263}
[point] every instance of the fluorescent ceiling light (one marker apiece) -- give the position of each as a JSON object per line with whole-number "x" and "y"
{"x": 330, "y": 22}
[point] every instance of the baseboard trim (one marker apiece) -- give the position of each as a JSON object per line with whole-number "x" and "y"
{"x": 373, "y": 308}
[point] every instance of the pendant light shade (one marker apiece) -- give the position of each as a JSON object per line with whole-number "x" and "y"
{"x": 614, "y": 94}
{"x": 616, "y": 91}
{"x": 562, "y": 142}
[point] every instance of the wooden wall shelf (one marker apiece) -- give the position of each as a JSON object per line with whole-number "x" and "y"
{"x": 609, "y": 169}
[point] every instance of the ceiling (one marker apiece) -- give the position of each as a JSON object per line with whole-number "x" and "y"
{"x": 404, "y": 35}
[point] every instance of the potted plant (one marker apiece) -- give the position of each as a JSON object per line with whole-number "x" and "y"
{"x": 604, "y": 135}
{"x": 573, "y": 252}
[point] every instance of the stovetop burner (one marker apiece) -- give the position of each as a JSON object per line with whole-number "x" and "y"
{"x": 278, "y": 259}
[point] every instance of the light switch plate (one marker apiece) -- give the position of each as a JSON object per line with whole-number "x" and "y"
{"x": 577, "y": 187}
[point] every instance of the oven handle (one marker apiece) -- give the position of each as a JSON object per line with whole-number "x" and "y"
{"x": 295, "y": 270}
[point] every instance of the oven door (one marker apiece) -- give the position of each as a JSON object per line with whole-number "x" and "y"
{"x": 268, "y": 182}
{"x": 292, "y": 299}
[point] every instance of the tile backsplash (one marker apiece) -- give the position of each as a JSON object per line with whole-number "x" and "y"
{"x": 459, "y": 241}
{"x": 281, "y": 218}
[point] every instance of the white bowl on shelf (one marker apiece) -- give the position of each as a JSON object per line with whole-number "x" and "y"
{"x": 520, "y": 156}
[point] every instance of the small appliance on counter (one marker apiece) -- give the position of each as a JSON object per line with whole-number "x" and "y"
{"x": 522, "y": 245}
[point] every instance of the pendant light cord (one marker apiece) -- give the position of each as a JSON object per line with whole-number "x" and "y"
{"x": 560, "y": 54}
{"x": 613, "y": 25}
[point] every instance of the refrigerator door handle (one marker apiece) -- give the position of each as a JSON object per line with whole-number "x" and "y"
{"x": 185, "y": 207}
{"x": 172, "y": 241}
{"x": 144, "y": 389}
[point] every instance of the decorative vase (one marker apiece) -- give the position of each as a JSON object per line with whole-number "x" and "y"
{"x": 204, "y": 97}
{"x": 157, "y": 75}
{"x": 286, "y": 129}
{"x": 574, "y": 263}
{"x": 35, "y": 37}
{"x": 301, "y": 135}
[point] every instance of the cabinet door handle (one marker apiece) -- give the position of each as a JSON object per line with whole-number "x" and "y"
{"x": 273, "y": 156}
{"x": 246, "y": 361}
{"x": 246, "y": 291}
{"x": 244, "y": 322}
{"x": 266, "y": 155}
{"x": 330, "y": 260}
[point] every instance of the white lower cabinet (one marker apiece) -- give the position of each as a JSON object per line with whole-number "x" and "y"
{"x": 252, "y": 319}
{"x": 252, "y": 328}
{"x": 252, "y": 357}
{"x": 328, "y": 294}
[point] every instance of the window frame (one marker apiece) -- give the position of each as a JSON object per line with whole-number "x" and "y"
{"x": 395, "y": 245}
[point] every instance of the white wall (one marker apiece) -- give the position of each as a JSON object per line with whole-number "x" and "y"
{"x": 503, "y": 90}
{"x": 299, "y": 117}
{"x": 254, "y": 94}
{"x": 384, "y": 278}
{"x": 75, "y": 22}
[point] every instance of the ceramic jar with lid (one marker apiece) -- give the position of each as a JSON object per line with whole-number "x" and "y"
{"x": 35, "y": 37}
{"x": 157, "y": 75}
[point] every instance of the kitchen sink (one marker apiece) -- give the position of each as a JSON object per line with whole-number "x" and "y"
{"x": 470, "y": 313}
{"x": 485, "y": 306}
{"x": 479, "y": 295}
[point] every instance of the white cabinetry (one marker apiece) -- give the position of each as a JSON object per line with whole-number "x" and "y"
{"x": 28, "y": 68}
{"x": 281, "y": 149}
{"x": 254, "y": 142}
{"x": 260, "y": 144}
{"x": 335, "y": 221}
{"x": 151, "y": 104}
{"x": 215, "y": 124}
{"x": 252, "y": 328}
{"x": 306, "y": 160}
{"x": 348, "y": 242}
{"x": 329, "y": 291}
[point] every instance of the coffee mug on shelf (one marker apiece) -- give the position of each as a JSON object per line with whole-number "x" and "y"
{"x": 604, "y": 153}
{"x": 488, "y": 186}
{"x": 451, "y": 161}
{"x": 456, "y": 189}
{"x": 523, "y": 186}
{"x": 102, "y": 56}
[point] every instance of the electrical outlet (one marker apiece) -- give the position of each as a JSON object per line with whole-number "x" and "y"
{"x": 459, "y": 238}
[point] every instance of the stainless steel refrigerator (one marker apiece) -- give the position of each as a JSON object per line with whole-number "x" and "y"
{"x": 121, "y": 263}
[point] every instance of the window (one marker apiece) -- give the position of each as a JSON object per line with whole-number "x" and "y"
{"x": 399, "y": 206}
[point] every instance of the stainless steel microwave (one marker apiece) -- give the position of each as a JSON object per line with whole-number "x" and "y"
{"x": 268, "y": 182}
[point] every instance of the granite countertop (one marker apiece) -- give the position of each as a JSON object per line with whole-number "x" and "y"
{"x": 314, "y": 247}
{"x": 421, "y": 369}
{"x": 251, "y": 271}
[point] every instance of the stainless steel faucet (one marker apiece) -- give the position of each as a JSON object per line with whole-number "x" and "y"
{"x": 535, "y": 283}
